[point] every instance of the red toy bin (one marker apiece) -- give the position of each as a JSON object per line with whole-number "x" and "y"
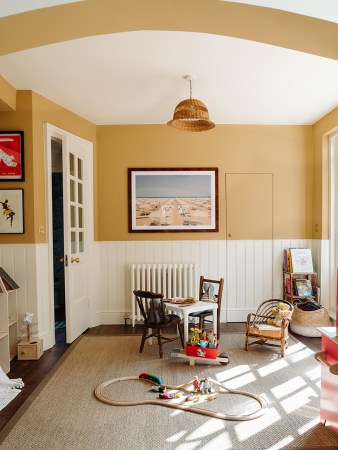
{"x": 210, "y": 353}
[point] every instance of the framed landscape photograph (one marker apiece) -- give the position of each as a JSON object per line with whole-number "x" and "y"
{"x": 173, "y": 200}
{"x": 11, "y": 215}
{"x": 11, "y": 156}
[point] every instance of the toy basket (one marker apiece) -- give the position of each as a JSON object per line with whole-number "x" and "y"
{"x": 305, "y": 323}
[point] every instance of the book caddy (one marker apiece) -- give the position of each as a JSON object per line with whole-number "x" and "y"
{"x": 299, "y": 279}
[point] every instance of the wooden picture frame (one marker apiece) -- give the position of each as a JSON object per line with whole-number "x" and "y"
{"x": 12, "y": 156}
{"x": 12, "y": 211}
{"x": 173, "y": 200}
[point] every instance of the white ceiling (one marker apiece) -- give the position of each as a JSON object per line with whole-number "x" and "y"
{"x": 136, "y": 77}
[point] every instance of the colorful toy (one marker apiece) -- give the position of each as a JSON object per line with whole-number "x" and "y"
{"x": 281, "y": 311}
{"x": 196, "y": 383}
{"x": 195, "y": 338}
{"x": 167, "y": 395}
{"x": 206, "y": 386}
{"x": 201, "y": 353}
{"x": 158, "y": 389}
{"x": 177, "y": 400}
{"x": 148, "y": 376}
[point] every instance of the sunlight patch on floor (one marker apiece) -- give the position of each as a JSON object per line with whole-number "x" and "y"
{"x": 299, "y": 356}
{"x": 298, "y": 400}
{"x": 314, "y": 374}
{"x": 176, "y": 412}
{"x": 222, "y": 441}
{"x": 208, "y": 428}
{"x": 240, "y": 381}
{"x": 282, "y": 443}
{"x": 272, "y": 367}
{"x": 176, "y": 437}
{"x": 308, "y": 425}
{"x": 245, "y": 430}
{"x": 232, "y": 373}
{"x": 288, "y": 387}
{"x": 294, "y": 348}
{"x": 188, "y": 446}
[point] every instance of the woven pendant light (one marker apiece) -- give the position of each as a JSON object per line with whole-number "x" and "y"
{"x": 191, "y": 114}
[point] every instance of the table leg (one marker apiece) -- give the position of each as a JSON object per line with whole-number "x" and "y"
{"x": 215, "y": 321}
{"x": 186, "y": 326}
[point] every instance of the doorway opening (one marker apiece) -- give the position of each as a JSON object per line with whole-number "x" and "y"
{"x": 58, "y": 235}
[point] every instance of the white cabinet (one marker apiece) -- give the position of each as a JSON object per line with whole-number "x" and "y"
{"x": 8, "y": 320}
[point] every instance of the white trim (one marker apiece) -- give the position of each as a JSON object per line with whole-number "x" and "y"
{"x": 333, "y": 218}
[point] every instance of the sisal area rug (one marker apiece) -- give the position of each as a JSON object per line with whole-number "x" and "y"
{"x": 66, "y": 415}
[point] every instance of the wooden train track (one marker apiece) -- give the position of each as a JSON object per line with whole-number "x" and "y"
{"x": 186, "y": 389}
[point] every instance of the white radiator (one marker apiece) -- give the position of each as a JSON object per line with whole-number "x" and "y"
{"x": 172, "y": 280}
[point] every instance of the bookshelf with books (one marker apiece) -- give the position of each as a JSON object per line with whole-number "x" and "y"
{"x": 299, "y": 279}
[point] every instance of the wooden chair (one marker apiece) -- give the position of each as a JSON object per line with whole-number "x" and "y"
{"x": 257, "y": 326}
{"x": 156, "y": 319}
{"x": 217, "y": 297}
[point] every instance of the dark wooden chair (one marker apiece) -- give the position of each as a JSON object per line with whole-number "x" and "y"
{"x": 206, "y": 294}
{"x": 257, "y": 327}
{"x": 156, "y": 319}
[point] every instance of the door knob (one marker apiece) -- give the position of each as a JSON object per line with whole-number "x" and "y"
{"x": 230, "y": 235}
{"x": 61, "y": 260}
{"x": 77, "y": 260}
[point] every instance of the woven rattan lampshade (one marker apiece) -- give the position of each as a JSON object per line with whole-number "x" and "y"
{"x": 191, "y": 115}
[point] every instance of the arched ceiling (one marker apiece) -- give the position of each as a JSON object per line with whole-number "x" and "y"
{"x": 116, "y": 62}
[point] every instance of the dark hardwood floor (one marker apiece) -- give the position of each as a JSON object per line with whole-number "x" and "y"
{"x": 34, "y": 372}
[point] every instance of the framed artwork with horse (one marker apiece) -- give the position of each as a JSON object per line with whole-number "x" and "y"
{"x": 11, "y": 206}
{"x": 11, "y": 156}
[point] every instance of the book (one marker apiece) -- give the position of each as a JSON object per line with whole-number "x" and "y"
{"x": 288, "y": 285}
{"x": 303, "y": 288}
{"x": 301, "y": 260}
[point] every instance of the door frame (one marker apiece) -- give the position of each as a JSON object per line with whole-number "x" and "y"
{"x": 51, "y": 131}
{"x": 333, "y": 223}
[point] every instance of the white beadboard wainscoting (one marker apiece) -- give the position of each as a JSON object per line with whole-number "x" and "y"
{"x": 27, "y": 264}
{"x": 252, "y": 271}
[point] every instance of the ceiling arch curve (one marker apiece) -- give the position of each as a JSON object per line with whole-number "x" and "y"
{"x": 91, "y": 18}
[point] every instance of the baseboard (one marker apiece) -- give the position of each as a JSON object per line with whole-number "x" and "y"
{"x": 111, "y": 317}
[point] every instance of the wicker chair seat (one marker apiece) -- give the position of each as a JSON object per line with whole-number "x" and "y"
{"x": 272, "y": 334}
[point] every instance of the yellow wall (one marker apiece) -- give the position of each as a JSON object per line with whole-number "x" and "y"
{"x": 300, "y": 174}
{"x": 7, "y": 96}
{"x": 285, "y": 151}
{"x": 21, "y": 119}
{"x": 321, "y": 132}
{"x": 31, "y": 113}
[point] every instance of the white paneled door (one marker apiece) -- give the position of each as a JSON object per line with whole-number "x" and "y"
{"x": 78, "y": 230}
{"x": 76, "y": 242}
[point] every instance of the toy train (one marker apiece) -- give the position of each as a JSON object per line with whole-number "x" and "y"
{"x": 153, "y": 378}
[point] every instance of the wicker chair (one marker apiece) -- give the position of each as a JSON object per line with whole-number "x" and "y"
{"x": 156, "y": 319}
{"x": 256, "y": 323}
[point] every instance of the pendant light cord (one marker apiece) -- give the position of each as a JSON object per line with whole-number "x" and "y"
{"x": 190, "y": 89}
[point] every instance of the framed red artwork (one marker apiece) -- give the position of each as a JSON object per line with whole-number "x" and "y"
{"x": 11, "y": 156}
